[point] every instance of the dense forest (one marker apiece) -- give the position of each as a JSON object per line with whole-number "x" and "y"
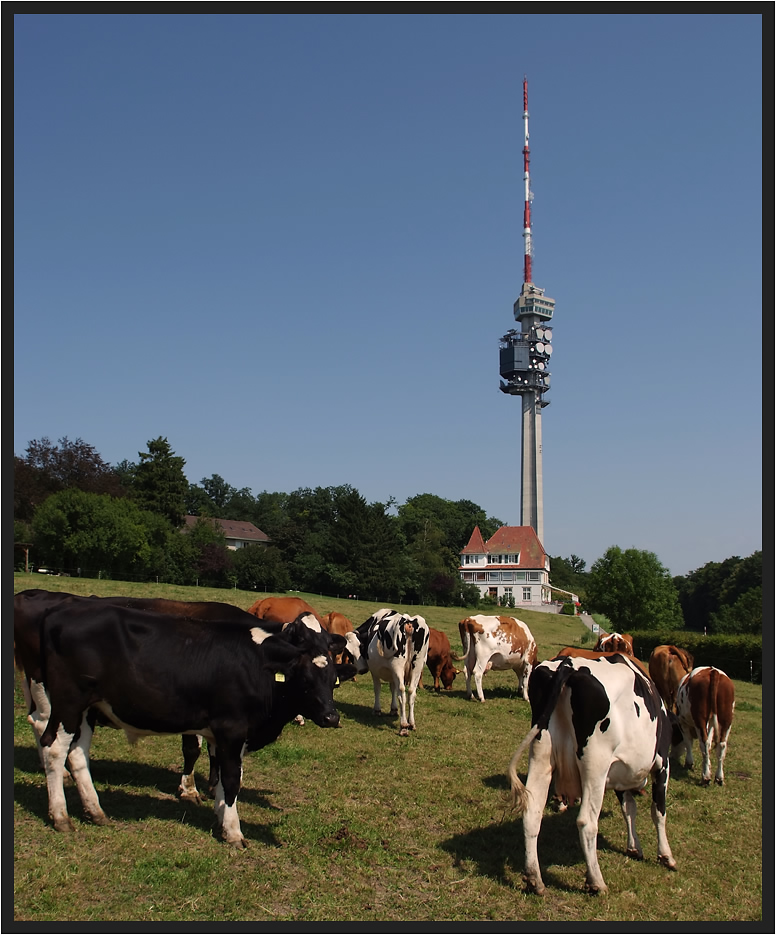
{"x": 78, "y": 515}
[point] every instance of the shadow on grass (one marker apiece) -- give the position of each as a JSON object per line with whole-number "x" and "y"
{"x": 498, "y": 849}
{"x": 125, "y": 807}
{"x": 111, "y": 779}
{"x": 363, "y": 714}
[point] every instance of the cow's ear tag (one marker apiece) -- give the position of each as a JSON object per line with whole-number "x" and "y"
{"x": 280, "y": 677}
{"x": 336, "y": 682}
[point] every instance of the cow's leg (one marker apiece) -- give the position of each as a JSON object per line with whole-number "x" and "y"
{"x": 593, "y": 788}
{"x": 468, "y": 669}
{"x": 724, "y": 733}
{"x": 376, "y": 683}
{"x": 410, "y": 706}
{"x": 78, "y": 757}
{"x": 628, "y": 806}
{"x": 398, "y": 698}
{"x": 55, "y": 753}
{"x": 687, "y": 739}
{"x": 39, "y": 708}
{"x": 538, "y": 786}
{"x": 212, "y": 779}
{"x": 191, "y": 745}
{"x": 230, "y": 756}
{"x": 523, "y": 674}
{"x": 479, "y": 671}
{"x": 705, "y": 742}
{"x": 660, "y": 777}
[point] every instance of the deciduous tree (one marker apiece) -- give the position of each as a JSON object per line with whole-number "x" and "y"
{"x": 634, "y": 590}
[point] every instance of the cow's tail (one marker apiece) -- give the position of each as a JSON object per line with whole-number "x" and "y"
{"x": 560, "y": 676}
{"x": 712, "y": 727}
{"x": 463, "y": 629}
{"x": 520, "y": 795}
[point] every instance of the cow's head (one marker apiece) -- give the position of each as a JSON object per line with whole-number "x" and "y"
{"x": 355, "y": 652}
{"x": 448, "y": 674}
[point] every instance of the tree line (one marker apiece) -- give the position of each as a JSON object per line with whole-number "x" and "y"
{"x": 80, "y": 515}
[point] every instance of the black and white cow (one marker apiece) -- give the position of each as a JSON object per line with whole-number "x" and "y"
{"x": 151, "y": 673}
{"x": 393, "y": 647}
{"x": 31, "y": 605}
{"x": 597, "y": 724}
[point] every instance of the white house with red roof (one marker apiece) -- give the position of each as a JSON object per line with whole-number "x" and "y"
{"x": 512, "y": 563}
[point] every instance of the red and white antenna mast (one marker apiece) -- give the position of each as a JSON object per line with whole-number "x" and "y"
{"x": 528, "y": 195}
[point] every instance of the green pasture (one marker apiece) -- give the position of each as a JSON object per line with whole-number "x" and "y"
{"x": 360, "y": 825}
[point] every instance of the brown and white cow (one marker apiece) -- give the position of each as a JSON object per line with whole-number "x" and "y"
{"x": 705, "y": 702}
{"x": 440, "y": 660}
{"x": 282, "y": 609}
{"x": 615, "y": 643}
{"x": 668, "y": 665}
{"x": 496, "y": 643}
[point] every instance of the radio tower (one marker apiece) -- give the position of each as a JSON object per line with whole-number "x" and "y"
{"x": 525, "y": 360}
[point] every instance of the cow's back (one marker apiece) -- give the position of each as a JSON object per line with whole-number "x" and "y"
{"x": 282, "y": 609}
{"x": 668, "y": 665}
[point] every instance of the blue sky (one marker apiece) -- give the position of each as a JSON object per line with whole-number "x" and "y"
{"x": 291, "y": 243}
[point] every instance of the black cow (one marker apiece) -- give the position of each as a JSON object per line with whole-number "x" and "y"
{"x": 31, "y": 605}
{"x": 150, "y": 673}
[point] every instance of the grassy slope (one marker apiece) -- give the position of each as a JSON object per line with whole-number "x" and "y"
{"x": 363, "y": 825}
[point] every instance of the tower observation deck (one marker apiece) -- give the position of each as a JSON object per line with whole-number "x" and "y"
{"x": 524, "y": 363}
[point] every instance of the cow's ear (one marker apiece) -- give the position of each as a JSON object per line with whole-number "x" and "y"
{"x": 337, "y": 643}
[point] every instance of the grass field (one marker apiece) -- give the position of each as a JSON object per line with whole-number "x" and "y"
{"x": 360, "y": 824}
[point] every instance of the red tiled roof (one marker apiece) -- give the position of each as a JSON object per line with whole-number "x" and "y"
{"x": 476, "y": 542}
{"x": 233, "y": 529}
{"x": 510, "y": 539}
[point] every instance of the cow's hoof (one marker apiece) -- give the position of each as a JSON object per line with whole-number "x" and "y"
{"x": 596, "y": 889}
{"x": 100, "y": 819}
{"x": 65, "y": 825}
{"x": 192, "y": 797}
{"x": 719, "y": 782}
{"x": 668, "y": 862}
{"x": 238, "y": 844}
{"x": 404, "y": 732}
{"x": 532, "y": 886}
{"x": 634, "y": 854}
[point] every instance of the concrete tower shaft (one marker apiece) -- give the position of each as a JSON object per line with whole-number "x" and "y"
{"x": 524, "y": 361}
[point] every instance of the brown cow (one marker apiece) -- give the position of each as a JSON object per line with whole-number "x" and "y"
{"x": 334, "y": 622}
{"x": 597, "y": 654}
{"x": 282, "y": 609}
{"x": 705, "y": 702}
{"x": 668, "y": 665}
{"x": 439, "y": 659}
{"x": 615, "y": 643}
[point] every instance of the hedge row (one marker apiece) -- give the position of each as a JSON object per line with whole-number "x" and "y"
{"x": 741, "y": 657}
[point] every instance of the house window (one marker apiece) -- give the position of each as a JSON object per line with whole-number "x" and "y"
{"x": 493, "y": 576}
{"x": 526, "y": 594}
{"x": 533, "y": 575}
{"x": 507, "y": 576}
{"x": 507, "y": 592}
